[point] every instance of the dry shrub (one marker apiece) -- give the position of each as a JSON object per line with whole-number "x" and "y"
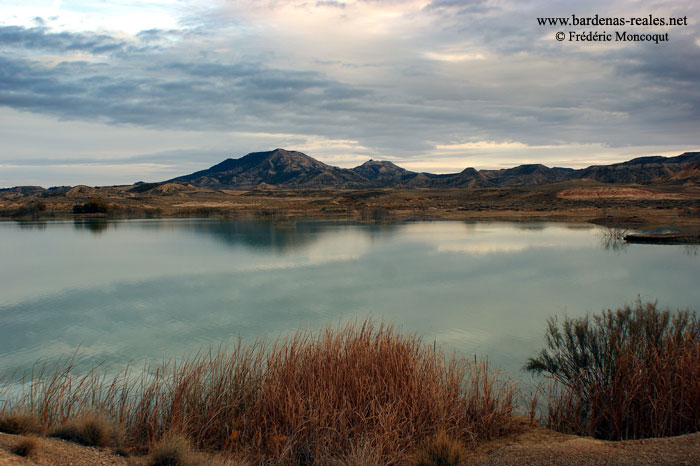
{"x": 21, "y": 424}
{"x": 171, "y": 450}
{"x": 27, "y": 447}
{"x": 307, "y": 399}
{"x": 91, "y": 430}
{"x": 625, "y": 374}
{"x": 440, "y": 450}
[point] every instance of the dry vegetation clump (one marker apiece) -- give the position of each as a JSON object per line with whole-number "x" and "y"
{"x": 27, "y": 447}
{"x": 440, "y": 450}
{"x": 624, "y": 374}
{"x": 171, "y": 450}
{"x": 20, "y": 424}
{"x": 312, "y": 398}
{"x": 90, "y": 430}
{"x": 93, "y": 206}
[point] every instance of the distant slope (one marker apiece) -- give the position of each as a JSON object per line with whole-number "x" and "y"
{"x": 285, "y": 169}
{"x": 688, "y": 176}
{"x": 528, "y": 175}
{"x": 641, "y": 170}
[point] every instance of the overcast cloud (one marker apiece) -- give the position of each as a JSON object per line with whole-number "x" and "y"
{"x": 104, "y": 94}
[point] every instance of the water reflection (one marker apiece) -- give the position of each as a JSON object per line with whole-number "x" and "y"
{"x": 613, "y": 239}
{"x": 93, "y": 225}
{"x": 32, "y": 224}
{"x": 148, "y": 288}
{"x": 266, "y": 235}
{"x": 257, "y": 234}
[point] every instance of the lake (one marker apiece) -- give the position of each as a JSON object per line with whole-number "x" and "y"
{"x": 135, "y": 290}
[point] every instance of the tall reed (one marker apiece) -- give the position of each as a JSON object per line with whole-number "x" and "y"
{"x": 305, "y": 399}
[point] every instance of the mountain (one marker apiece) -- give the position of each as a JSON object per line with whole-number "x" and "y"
{"x": 283, "y": 169}
{"x": 278, "y": 168}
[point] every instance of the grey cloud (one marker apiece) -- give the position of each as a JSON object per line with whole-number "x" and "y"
{"x": 414, "y": 104}
{"x": 161, "y": 90}
{"x": 39, "y": 38}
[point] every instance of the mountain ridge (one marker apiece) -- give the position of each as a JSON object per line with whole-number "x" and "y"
{"x": 284, "y": 169}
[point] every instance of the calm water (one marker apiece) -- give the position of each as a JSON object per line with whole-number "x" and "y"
{"x": 133, "y": 290}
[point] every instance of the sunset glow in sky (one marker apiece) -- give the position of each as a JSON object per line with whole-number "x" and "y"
{"x": 114, "y": 92}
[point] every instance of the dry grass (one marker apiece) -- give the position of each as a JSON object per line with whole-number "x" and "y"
{"x": 440, "y": 450}
{"x": 628, "y": 374}
{"x": 21, "y": 424}
{"x": 91, "y": 430}
{"x": 27, "y": 447}
{"x": 308, "y": 399}
{"x": 171, "y": 450}
{"x": 362, "y": 453}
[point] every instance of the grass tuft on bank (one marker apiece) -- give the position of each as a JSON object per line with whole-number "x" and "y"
{"x": 19, "y": 423}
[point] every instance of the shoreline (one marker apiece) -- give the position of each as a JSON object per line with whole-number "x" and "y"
{"x": 676, "y": 208}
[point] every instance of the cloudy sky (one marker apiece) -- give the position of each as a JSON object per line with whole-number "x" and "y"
{"x": 112, "y": 92}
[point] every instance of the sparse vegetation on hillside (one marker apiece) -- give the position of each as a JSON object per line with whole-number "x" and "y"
{"x": 624, "y": 374}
